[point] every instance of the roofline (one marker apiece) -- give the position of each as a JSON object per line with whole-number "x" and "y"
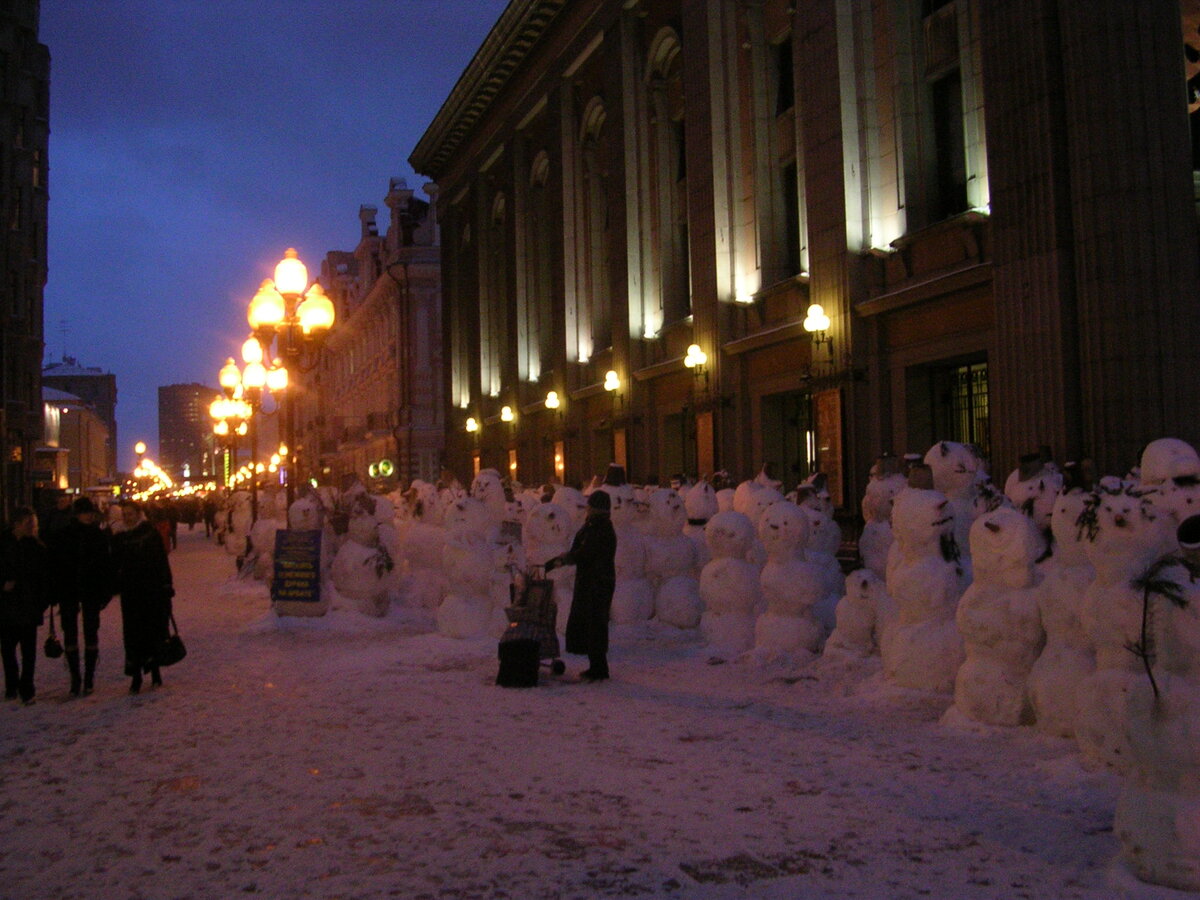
{"x": 510, "y": 41}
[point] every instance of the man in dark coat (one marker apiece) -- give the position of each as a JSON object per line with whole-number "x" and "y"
{"x": 81, "y": 582}
{"x": 24, "y": 596}
{"x": 593, "y": 553}
{"x": 143, "y": 578}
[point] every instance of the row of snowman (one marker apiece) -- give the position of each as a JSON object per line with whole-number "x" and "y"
{"x": 1074, "y": 609}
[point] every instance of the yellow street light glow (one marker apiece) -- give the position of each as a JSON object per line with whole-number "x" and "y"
{"x": 291, "y": 276}
{"x": 277, "y": 377}
{"x": 611, "y": 381}
{"x": 221, "y": 429}
{"x": 230, "y": 376}
{"x": 695, "y": 357}
{"x": 552, "y": 400}
{"x": 254, "y": 376}
{"x": 276, "y": 459}
{"x": 267, "y": 309}
{"x": 243, "y": 429}
{"x": 315, "y": 313}
{"x": 252, "y": 351}
{"x": 283, "y": 449}
{"x": 472, "y": 426}
{"x": 139, "y": 448}
{"x": 816, "y": 320}
{"x": 506, "y": 414}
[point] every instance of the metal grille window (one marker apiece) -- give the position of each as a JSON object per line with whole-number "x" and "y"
{"x": 960, "y": 402}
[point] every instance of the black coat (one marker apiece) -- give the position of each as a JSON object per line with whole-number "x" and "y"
{"x": 26, "y": 563}
{"x": 143, "y": 578}
{"x": 82, "y": 565}
{"x": 593, "y": 553}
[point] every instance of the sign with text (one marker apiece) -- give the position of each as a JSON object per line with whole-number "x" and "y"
{"x": 296, "y": 587}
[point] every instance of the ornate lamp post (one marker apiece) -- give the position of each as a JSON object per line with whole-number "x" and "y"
{"x": 295, "y": 315}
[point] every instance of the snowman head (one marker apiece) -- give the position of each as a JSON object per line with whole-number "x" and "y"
{"x": 667, "y": 515}
{"x": 783, "y": 529}
{"x": 701, "y": 502}
{"x": 623, "y": 509}
{"x": 956, "y": 467}
{"x": 489, "y": 488}
{"x": 468, "y": 517}
{"x": 1005, "y": 544}
{"x": 922, "y": 520}
{"x": 729, "y": 535}
{"x": 1069, "y": 528}
{"x": 880, "y": 497}
{"x": 1035, "y": 496}
{"x": 305, "y": 514}
{"x": 574, "y": 502}
{"x": 547, "y": 524}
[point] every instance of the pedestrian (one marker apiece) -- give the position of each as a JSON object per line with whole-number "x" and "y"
{"x": 143, "y": 579}
{"x": 81, "y": 585}
{"x": 593, "y": 553}
{"x": 24, "y": 596}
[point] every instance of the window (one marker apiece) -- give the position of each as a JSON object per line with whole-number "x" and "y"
{"x": 785, "y": 82}
{"x": 788, "y": 439}
{"x": 948, "y": 401}
{"x": 790, "y": 188}
{"x": 949, "y": 145}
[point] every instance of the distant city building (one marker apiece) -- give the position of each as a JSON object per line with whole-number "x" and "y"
{"x": 96, "y": 388}
{"x": 74, "y": 451}
{"x": 374, "y": 406}
{"x": 185, "y": 438}
{"x": 24, "y": 135}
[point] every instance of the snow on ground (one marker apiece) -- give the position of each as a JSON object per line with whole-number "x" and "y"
{"x": 356, "y": 758}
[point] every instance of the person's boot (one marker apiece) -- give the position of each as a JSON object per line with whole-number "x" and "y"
{"x": 135, "y": 686}
{"x": 73, "y": 668}
{"x": 156, "y": 677}
{"x": 90, "y": 655}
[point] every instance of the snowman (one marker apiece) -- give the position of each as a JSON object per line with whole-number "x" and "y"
{"x": 701, "y": 505}
{"x": 1066, "y": 662}
{"x": 825, "y": 538}
{"x": 361, "y": 568}
{"x": 1158, "y": 811}
{"x": 999, "y": 621}
{"x": 468, "y": 562}
{"x": 422, "y": 541}
{"x": 671, "y": 562}
{"x": 922, "y": 650}
{"x": 729, "y": 585}
{"x": 546, "y": 534}
{"x": 791, "y": 586}
{"x": 575, "y": 504}
{"x": 863, "y": 613}
{"x": 1170, "y": 476}
{"x": 960, "y": 473}
{"x": 1127, "y": 535}
{"x": 488, "y": 488}
{"x": 633, "y": 597}
{"x": 751, "y": 498}
{"x": 1033, "y": 488}
{"x": 876, "y": 538}
{"x": 241, "y": 521}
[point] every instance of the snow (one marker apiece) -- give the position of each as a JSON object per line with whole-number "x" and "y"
{"x": 350, "y": 756}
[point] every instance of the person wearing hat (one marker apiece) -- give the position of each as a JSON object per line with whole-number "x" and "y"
{"x": 593, "y": 553}
{"x": 81, "y": 584}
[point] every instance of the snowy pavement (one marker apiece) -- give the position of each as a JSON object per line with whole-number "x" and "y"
{"x": 346, "y": 757}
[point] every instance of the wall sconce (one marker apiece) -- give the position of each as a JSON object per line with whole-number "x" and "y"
{"x": 611, "y": 382}
{"x": 506, "y": 414}
{"x": 472, "y": 425}
{"x": 697, "y": 360}
{"x": 816, "y": 323}
{"x": 552, "y": 401}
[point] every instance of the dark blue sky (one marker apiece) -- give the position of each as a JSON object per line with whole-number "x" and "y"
{"x": 193, "y": 141}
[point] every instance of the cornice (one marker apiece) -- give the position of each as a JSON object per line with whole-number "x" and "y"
{"x": 507, "y": 45}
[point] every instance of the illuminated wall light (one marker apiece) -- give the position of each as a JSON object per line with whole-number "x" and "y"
{"x": 506, "y": 414}
{"x": 611, "y": 381}
{"x": 472, "y": 426}
{"x": 552, "y": 401}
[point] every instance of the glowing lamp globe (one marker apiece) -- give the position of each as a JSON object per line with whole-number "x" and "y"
{"x": 139, "y": 448}
{"x": 229, "y": 377}
{"x": 315, "y": 313}
{"x": 611, "y": 381}
{"x": 221, "y": 429}
{"x": 252, "y": 351}
{"x": 254, "y": 376}
{"x": 506, "y": 414}
{"x": 277, "y": 378}
{"x": 552, "y": 401}
{"x": 291, "y": 276}
{"x": 816, "y": 320}
{"x": 267, "y": 309}
{"x": 472, "y": 425}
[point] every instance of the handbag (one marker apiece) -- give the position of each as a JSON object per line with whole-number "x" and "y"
{"x": 171, "y": 650}
{"x": 53, "y": 647}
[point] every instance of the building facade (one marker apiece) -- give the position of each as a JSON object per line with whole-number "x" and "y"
{"x": 24, "y": 142}
{"x": 186, "y": 447}
{"x": 374, "y": 405}
{"x": 74, "y": 451}
{"x": 96, "y": 388}
{"x": 1004, "y": 244}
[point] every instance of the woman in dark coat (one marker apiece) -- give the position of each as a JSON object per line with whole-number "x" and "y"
{"x": 593, "y": 553}
{"x": 143, "y": 579}
{"x": 81, "y": 582}
{"x": 24, "y": 596}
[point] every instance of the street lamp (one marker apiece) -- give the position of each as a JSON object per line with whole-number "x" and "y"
{"x": 299, "y": 315}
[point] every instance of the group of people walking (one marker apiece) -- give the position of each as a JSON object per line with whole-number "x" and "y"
{"x": 76, "y": 568}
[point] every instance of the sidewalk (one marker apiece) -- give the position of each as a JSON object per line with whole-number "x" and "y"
{"x": 347, "y": 757}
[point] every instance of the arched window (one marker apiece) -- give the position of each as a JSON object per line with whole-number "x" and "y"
{"x": 668, "y": 173}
